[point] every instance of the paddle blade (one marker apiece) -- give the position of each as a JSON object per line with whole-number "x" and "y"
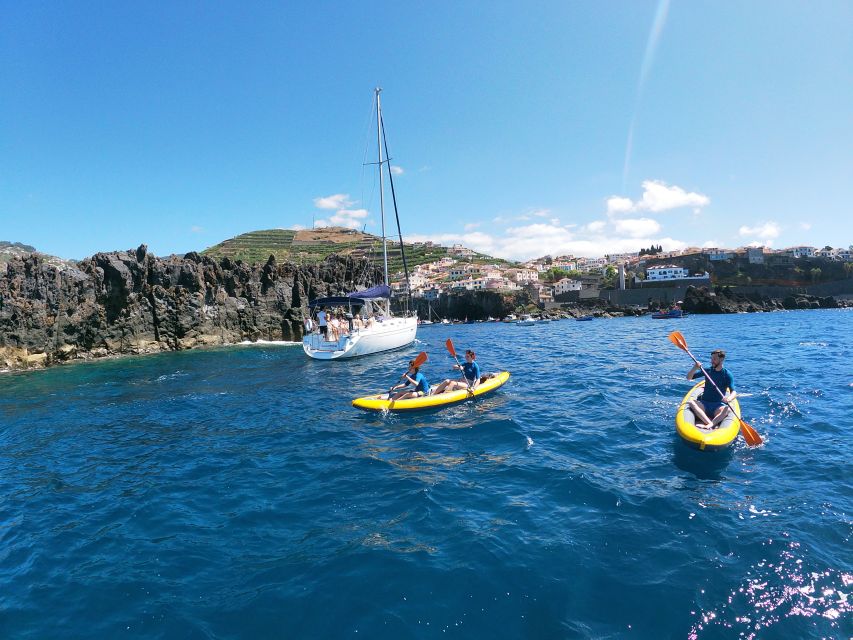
{"x": 449, "y": 345}
{"x": 678, "y": 340}
{"x": 749, "y": 434}
{"x": 422, "y": 357}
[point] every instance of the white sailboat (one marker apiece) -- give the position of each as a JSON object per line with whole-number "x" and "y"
{"x": 368, "y": 325}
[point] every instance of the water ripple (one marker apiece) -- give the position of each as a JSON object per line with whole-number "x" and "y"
{"x": 235, "y": 492}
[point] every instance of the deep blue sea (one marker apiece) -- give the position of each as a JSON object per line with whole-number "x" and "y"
{"x": 234, "y": 492}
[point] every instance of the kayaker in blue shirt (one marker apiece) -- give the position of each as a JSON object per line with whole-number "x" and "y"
{"x": 414, "y": 377}
{"x": 711, "y": 410}
{"x": 470, "y": 375}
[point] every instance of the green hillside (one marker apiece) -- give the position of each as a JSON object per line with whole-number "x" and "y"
{"x": 309, "y": 246}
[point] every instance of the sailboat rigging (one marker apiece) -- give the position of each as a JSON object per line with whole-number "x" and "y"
{"x": 361, "y": 322}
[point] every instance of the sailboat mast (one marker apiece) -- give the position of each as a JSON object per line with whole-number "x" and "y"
{"x": 381, "y": 189}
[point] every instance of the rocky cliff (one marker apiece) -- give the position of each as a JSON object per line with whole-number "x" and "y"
{"x": 134, "y": 302}
{"x": 722, "y": 300}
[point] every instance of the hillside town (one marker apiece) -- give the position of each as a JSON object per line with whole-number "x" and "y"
{"x": 550, "y": 278}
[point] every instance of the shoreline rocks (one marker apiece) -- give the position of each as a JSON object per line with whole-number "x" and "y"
{"x": 722, "y": 300}
{"x": 132, "y": 302}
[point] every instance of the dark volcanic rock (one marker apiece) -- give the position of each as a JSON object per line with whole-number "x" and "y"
{"x": 806, "y": 301}
{"x": 722, "y": 300}
{"x": 133, "y": 302}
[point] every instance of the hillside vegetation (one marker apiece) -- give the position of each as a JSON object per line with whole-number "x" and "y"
{"x": 309, "y": 246}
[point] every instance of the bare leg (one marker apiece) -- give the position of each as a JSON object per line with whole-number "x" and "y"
{"x": 720, "y": 415}
{"x": 699, "y": 412}
{"x": 441, "y": 387}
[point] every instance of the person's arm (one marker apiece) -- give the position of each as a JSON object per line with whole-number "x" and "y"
{"x": 697, "y": 368}
{"x": 730, "y": 384}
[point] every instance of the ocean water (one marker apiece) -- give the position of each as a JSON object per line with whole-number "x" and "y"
{"x": 235, "y": 492}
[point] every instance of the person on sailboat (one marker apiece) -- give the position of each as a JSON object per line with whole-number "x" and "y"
{"x": 414, "y": 377}
{"x": 470, "y": 375}
{"x": 322, "y": 324}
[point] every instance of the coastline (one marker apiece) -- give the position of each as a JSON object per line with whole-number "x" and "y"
{"x": 91, "y": 358}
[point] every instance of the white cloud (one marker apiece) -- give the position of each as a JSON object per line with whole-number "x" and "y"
{"x": 806, "y": 226}
{"x": 766, "y": 231}
{"x": 297, "y": 227}
{"x": 596, "y": 226}
{"x": 197, "y": 229}
{"x": 636, "y": 227}
{"x": 343, "y": 216}
{"x": 472, "y": 225}
{"x": 350, "y": 218}
{"x": 397, "y": 171}
{"x": 337, "y": 201}
{"x": 541, "y": 213}
{"x": 657, "y": 196}
{"x": 616, "y": 204}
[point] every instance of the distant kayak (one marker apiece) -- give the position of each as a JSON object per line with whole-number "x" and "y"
{"x": 381, "y": 403}
{"x": 705, "y": 439}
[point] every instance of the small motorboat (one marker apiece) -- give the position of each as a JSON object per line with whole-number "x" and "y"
{"x": 671, "y": 313}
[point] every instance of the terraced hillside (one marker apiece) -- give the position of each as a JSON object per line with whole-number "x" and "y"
{"x": 308, "y": 246}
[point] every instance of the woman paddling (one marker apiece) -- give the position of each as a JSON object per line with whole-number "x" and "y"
{"x": 470, "y": 375}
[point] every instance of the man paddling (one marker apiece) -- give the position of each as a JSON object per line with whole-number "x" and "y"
{"x": 470, "y": 375}
{"x": 711, "y": 408}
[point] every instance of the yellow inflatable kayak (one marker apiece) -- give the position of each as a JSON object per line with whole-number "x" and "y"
{"x": 381, "y": 402}
{"x": 705, "y": 439}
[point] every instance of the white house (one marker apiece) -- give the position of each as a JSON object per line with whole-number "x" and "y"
{"x": 592, "y": 263}
{"x": 523, "y": 276}
{"x": 666, "y": 272}
{"x": 620, "y": 258}
{"x": 800, "y": 252}
{"x": 565, "y": 285}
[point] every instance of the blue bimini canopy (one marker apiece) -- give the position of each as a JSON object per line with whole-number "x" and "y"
{"x": 379, "y": 291}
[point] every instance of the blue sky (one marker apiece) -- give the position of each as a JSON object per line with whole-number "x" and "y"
{"x": 518, "y": 129}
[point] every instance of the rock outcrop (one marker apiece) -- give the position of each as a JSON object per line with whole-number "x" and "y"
{"x": 722, "y": 300}
{"x": 133, "y": 302}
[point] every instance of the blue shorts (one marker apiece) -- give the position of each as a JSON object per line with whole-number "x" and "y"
{"x": 711, "y": 407}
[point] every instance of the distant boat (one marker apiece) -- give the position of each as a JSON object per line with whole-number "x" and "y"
{"x": 671, "y": 313}
{"x": 526, "y": 321}
{"x": 585, "y": 318}
{"x": 372, "y": 328}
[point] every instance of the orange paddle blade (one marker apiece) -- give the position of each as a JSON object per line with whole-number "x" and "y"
{"x": 749, "y": 434}
{"x": 422, "y": 357}
{"x": 449, "y": 345}
{"x": 678, "y": 340}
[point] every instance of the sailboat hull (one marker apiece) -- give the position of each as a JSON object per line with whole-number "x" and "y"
{"x": 390, "y": 334}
